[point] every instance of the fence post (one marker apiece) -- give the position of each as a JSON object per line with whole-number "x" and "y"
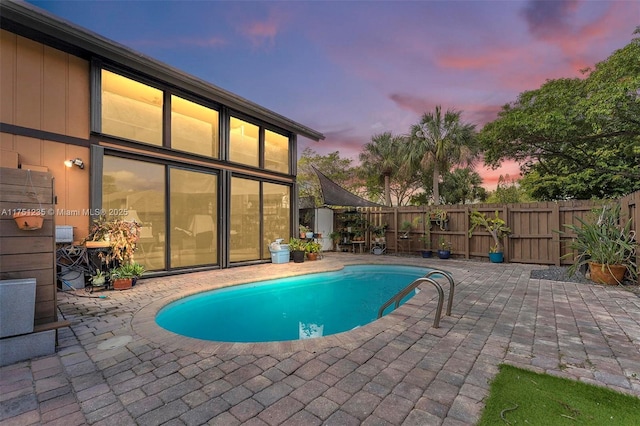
{"x": 556, "y": 249}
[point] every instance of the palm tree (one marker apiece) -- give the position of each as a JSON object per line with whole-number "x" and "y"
{"x": 441, "y": 142}
{"x": 380, "y": 156}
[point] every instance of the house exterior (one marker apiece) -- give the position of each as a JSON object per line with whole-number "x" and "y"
{"x": 210, "y": 176}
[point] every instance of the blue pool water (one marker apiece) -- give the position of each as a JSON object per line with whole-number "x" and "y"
{"x": 290, "y": 308}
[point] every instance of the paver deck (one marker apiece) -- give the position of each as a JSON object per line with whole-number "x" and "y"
{"x": 114, "y": 366}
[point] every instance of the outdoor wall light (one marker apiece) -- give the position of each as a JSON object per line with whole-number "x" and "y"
{"x": 77, "y": 161}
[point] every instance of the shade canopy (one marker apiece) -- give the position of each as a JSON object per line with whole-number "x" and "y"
{"x": 335, "y": 195}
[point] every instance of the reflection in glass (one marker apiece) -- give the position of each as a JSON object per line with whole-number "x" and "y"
{"x": 276, "y": 152}
{"x": 194, "y": 128}
{"x": 193, "y": 218}
{"x": 276, "y": 214}
{"x": 245, "y": 238}
{"x": 137, "y": 190}
{"x": 243, "y": 142}
{"x": 130, "y": 109}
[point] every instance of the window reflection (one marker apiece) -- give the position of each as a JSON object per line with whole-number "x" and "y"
{"x": 193, "y": 218}
{"x": 194, "y": 128}
{"x": 130, "y": 109}
{"x": 243, "y": 142}
{"x": 275, "y": 213}
{"x": 276, "y": 152}
{"x": 245, "y": 220}
{"x": 137, "y": 189}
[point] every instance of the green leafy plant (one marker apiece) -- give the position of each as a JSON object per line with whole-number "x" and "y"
{"x": 406, "y": 228}
{"x": 495, "y": 226}
{"x": 426, "y": 241}
{"x": 98, "y": 278}
{"x": 604, "y": 241}
{"x": 123, "y": 271}
{"x": 444, "y": 244}
{"x": 296, "y": 244}
{"x": 313, "y": 247}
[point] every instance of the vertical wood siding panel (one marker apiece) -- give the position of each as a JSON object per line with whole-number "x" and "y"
{"x": 78, "y": 98}
{"x": 7, "y": 77}
{"x": 29, "y": 83}
{"x": 54, "y": 93}
{"x": 30, "y": 150}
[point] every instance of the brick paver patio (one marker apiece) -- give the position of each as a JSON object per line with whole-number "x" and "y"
{"x": 114, "y": 366}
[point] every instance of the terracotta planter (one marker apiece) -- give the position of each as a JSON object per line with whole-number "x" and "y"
{"x": 610, "y": 274}
{"x": 312, "y": 256}
{"x": 122, "y": 283}
{"x": 28, "y": 220}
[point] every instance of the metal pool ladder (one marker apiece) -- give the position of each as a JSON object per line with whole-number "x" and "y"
{"x": 426, "y": 279}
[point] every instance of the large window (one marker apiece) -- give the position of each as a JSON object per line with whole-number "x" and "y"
{"x": 136, "y": 189}
{"x": 276, "y": 152}
{"x": 244, "y": 141}
{"x": 131, "y": 110}
{"x": 193, "y": 218}
{"x": 194, "y": 128}
{"x": 276, "y": 214}
{"x": 245, "y": 220}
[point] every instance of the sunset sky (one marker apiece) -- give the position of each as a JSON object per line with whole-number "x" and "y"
{"x": 353, "y": 69}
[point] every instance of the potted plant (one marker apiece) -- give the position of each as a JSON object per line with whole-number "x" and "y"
{"x": 122, "y": 277}
{"x": 608, "y": 248}
{"x": 405, "y": 228}
{"x": 444, "y": 248}
{"x": 426, "y": 245}
{"x": 495, "y": 226}
{"x": 137, "y": 269}
{"x": 439, "y": 217}
{"x": 98, "y": 279}
{"x": 378, "y": 232}
{"x": 297, "y": 249}
{"x": 335, "y": 238}
{"x": 120, "y": 235}
{"x": 312, "y": 250}
{"x": 29, "y": 220}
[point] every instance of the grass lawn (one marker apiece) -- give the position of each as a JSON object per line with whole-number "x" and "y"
{"x": 521, "y": 397}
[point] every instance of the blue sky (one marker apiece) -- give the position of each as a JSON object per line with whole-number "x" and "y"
{"x": 352, "y": 69}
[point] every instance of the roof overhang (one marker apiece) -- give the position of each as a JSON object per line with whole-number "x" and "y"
{"x": 29, "y": 21}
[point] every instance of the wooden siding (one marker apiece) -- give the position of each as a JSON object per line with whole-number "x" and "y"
{"x": 46, "y": 89}
{"x": 29, "y": 254}
{"x": 43, "y": 88}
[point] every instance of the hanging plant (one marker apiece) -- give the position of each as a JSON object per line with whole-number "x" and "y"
{"x": 30, "y": 219}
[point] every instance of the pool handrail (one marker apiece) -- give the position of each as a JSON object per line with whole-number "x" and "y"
{"x": 427, "y": 278}
{"x": 452, "y": 286}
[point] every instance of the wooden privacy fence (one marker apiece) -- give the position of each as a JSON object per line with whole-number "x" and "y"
{"x": 536, "y": 227}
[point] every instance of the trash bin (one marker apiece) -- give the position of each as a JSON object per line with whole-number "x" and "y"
{"x": 279, "y": 252}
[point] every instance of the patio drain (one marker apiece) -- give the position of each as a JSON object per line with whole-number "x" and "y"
{"x": 114, "y": 342}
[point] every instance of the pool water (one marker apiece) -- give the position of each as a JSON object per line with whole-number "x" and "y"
{"x": 292, "y": 308}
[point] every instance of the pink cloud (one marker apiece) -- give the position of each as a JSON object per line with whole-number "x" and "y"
{"x": 262, "y": 32}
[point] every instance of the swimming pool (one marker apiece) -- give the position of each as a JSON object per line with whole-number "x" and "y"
{"x": 292, "y": 308}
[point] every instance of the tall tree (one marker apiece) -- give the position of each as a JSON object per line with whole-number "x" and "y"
{"x": 462, "y": 186}
{"x": 575, "y": 137}
{"x": 331, "y": 165}
{"x": 441, "y": 142}
{"x": 380, "y": 157}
